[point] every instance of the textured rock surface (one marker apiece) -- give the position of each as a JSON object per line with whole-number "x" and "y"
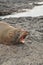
{"x": 31, "y": 53}
{"x": 9, "y": 6}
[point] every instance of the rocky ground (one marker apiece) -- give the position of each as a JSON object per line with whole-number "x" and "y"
{"x": 31, "y": 53}
{"x": 9, "y": 6}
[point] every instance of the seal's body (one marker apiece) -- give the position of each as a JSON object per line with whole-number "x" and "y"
{"x": 11, "y": 35}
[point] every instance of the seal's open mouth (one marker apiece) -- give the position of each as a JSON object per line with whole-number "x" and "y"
{"x": 23, "y": 36}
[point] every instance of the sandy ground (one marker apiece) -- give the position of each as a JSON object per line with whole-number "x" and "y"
{"x": 30, "y": 53}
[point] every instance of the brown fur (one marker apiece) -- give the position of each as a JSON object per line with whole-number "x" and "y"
{"x": 9, "y": 34}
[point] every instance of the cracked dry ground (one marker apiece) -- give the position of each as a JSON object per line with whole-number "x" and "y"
{"x": 31, "y": 53}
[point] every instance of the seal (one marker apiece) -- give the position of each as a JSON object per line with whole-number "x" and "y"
{"x": 11, "y": 35}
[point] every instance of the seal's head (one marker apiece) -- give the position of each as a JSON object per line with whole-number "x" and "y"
{"x": 22, "y": 36}
{"x": 15, "y": 36}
